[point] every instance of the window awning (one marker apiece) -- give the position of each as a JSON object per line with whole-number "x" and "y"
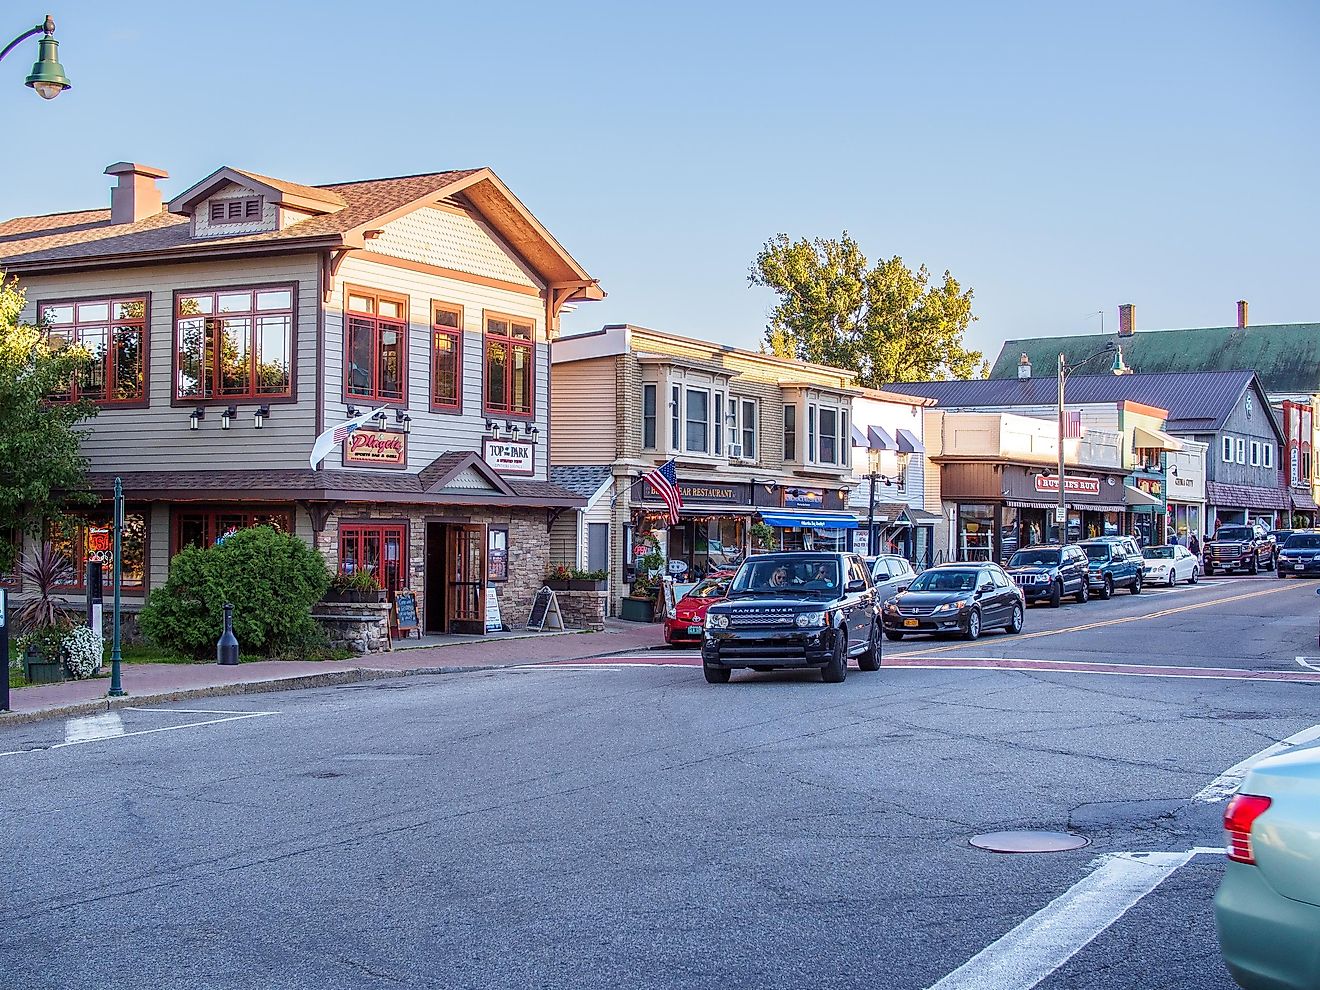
{"x": 809, "y": 519}
{"x": 858, "y": 437}
{"x": 880, "y": 440}
{"x": 1146, "y": 438}
{"x": 908, "y": 443}
{"x": 1135, "y": 496}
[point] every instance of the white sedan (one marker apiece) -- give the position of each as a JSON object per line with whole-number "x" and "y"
{"x": 1169, "y": 565}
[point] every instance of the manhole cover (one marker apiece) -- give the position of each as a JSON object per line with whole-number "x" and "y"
{"x": 1029, "y": 841}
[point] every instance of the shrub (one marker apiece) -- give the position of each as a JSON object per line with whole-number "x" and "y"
{"x": 42, "y": 572}
{"x": 84, "y": 652}
{"x": 272, "y": 579}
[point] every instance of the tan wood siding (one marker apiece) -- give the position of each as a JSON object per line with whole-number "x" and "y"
{"x": 583, "y": 410}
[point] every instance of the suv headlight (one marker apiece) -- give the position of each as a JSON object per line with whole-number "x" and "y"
{"x": 810, "y": 620}
{"x": 891, "y": 607}
{"x": 714, "y": 621}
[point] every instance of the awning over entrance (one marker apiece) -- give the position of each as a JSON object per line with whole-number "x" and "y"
{"x": 1147, "y": 438}
{"x": 1302, "y": 500}
{"x": 809, "y": 519}
{"x": 1136, "y": 497}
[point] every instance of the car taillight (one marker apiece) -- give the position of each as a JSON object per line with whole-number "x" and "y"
{"x": 1239, "y": 816}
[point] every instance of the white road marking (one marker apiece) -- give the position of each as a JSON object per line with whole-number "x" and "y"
{"x": 102, "y": 726}
{"x": 1307, "y": 662}
{"x": 1054, "y": 934}
{"x": 139, "y": 732}
{"x": 1228, "y": 782}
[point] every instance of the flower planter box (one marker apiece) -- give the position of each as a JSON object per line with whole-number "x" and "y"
{"x": 637, "y": 610}
{"x": 584, "y": 585}
{"x": 557, "y": 585}
{"x": 353, "y": 597}
{"x": 45, "y": 673}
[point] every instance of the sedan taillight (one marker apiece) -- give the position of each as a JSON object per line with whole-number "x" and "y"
{"x": 1239, "y": 816}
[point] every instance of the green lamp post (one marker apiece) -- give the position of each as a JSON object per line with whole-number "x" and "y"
{"x": 47, "y": 77}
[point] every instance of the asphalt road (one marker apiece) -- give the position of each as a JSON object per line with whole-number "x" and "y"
{"x": 628, "y": 825}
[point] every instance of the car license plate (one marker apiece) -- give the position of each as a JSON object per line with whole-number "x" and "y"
{"x": 1299, "y": 567}
{"x": 694, "y": 630}
{"x": 911, "y": 623}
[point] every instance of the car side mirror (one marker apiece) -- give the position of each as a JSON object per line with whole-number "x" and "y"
{"x": 986, "y": 588}
{"x": 857, "y": 585}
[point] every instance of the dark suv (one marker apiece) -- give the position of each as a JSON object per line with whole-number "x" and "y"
{"x": 1239, "y": 548}
{"x": 1114, "y": 562}
{"x": 1047, "y": 573}
{"x": 794, "y": 610}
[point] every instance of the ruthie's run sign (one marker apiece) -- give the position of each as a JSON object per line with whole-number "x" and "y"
{"x": 376, "y": 448}
{"x": 1074, "y": 486}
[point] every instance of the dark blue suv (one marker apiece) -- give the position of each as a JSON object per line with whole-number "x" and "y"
{"x": 1047, "y": 573}
{"x": 1115, "y": 562}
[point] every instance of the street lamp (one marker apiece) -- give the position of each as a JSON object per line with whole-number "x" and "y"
{"x": 874, "y": 474}
{"x": 1117, "y": 367}
{"x": 47, "y": 77}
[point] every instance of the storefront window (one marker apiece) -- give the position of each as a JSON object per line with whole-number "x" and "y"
{"x": 1008, "y": 532}
{"x": 203, "y": 527}
{"x": 497, "y": 553}
{"x": 92, "y": 540}
{"x": 976, "y": 524}
{"x": 378, "y": 548}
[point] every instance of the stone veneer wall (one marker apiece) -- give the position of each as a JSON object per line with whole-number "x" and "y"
{"x": 529, "y": 547}
{"x": 363, "y": 627}
{"x": 583, "y": 609}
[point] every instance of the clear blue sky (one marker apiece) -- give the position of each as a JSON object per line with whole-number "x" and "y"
{"x": 1059, "y": 158}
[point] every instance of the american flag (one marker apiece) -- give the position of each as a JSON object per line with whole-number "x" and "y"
{"x": 1072, "y": 424}
{"x": 664, "y": 480}
{"x": 333, "y": 437}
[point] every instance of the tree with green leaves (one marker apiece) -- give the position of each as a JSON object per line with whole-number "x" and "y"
{"x": 887, "y": 322}
{"x": 42, "y": 474}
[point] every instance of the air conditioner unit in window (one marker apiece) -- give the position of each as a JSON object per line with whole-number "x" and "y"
{"x": 735, "y": 451}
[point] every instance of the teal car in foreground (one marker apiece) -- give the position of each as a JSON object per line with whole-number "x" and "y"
{"x": 1267, "y": 909}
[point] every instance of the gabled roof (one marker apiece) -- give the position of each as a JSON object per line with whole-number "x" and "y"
{"x": 440, "y": 472}
{"x": 584, "y": 480}
{"x": 1286, "y": 356}
{"x": 1195, "y": 400}
{"x": 287, "y": 193}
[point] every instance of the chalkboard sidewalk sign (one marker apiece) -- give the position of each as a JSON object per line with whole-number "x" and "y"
{"x": 543, "y": 605}
{"x": 405, "y": 612}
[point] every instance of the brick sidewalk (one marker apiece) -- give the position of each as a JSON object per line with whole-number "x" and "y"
{"x": 159, "y": 682}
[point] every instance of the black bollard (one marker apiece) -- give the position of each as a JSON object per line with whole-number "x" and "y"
{"x": 226, "y": 649}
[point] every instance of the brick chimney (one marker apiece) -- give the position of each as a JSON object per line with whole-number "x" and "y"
{"x": 1127, "y": 320}
{"x": 1242, "y": 313}
{"x": 135, "y": 196}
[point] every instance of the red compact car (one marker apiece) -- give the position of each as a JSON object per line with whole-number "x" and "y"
{"x": 687, "y": 623}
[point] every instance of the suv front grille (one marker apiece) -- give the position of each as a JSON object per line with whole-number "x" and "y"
{"x": 762, "y": 620}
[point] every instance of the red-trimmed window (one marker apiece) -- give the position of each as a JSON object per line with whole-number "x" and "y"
{"x": 115, "y": 332}
{"x": 380, "y": 548}
{"x": 446, "y": 357}
{"x": 244, "y": 210}
{"x": 510, "y": 353}
{"x": 73, "y": 543}
{"x": 234, "y": 343}
{"x": 203, "y": 527}
{"x": 376, "y": 346}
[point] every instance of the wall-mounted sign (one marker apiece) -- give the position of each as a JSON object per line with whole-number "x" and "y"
{"x": 701, "y": 491}
{"x": 509, "y": 456}
{"x": 1072, "y": 486}
{"x": 1151, "y": 486}
{"x": 376, "y": 448}
{"x": 803, "y": 498}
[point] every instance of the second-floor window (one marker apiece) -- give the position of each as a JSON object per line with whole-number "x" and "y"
{"x": 1228, "y": 450}
{"x": 827, "y": 435}
{"x": 1267, "y": 449}
{"x": 747, "y": 417}
{"x": 115, "y": 332}
{"x": 446, "y": 357}
{"x": 698, "y": 420}
{"x": 648, "y": 417}
{"x": 790, "y": 433}
{"x": 234, "y": 343}
{"x": 510, "y": 352}
{"x": 1241, "y": 451}
{"x": 376, "y": 335}
{"x": 1255, "y": 453}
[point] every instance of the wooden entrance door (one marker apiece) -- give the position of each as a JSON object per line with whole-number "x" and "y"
{"x": 465, "y": 597}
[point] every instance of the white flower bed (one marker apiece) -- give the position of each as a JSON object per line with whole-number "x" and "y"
{"x": 84, "y": 652}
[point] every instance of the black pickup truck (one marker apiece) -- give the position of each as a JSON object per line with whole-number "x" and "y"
{"x": 1239, "y": 548}
{"x": 794, "y": 610}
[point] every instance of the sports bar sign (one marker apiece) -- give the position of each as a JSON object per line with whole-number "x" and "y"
{"x": 1071, "y": 486}
{"x": 376, "y": 448}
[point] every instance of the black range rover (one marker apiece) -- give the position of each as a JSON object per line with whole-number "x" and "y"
{"x": 794, "y": 610}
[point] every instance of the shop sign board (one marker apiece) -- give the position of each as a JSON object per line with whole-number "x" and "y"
{"x": 803, "y": 498}
{"x": 100, "y": 546}
{"x": 494, "y": 621}
{"x": 705, "y": 492}
{"x": 509, "y": 456}
{"x": 376, "y": 448}
{"x": 1151, "y": 486}
{"x": 1072, "y": 486}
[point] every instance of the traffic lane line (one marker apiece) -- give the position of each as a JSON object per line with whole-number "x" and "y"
{"x": 102, "y": 731}
{"x": 1228, "y": 782}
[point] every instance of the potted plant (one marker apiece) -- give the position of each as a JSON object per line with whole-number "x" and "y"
{"x": 41, "y": 649}
{"x": 639, "y": 605}
{"x": 588, "y": 580}
{"x": 557, "y": 578}
{"x": 341, "y": 586}
{"x": 763, "y": 536}
{"x": 367, "y": 587}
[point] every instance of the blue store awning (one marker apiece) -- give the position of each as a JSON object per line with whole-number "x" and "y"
{"x": 810, "y": 519}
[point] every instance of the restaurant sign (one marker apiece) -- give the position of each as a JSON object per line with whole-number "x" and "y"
{"x": 509, "y": 456}
{"x": 705, "y": 492}
{"x": 1071, "y": 485}
{"x": 376, "y": 448}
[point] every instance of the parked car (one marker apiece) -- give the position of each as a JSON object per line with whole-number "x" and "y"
{"x": 956, "y": 598}
{"x": 1300, "y": 555}
{"x": 794, "y": 610}
{"x": 1048, "y": 572}
{"x": 1169, "y": 565}
{"x": 1239, "y": 548}
{"x": 1267, "y": 908}
{"x": 1279, "y": 536}
{"x": 890, "y": 574}
{"x": 1114, "y": 562}
{"x": 688, "y": 623}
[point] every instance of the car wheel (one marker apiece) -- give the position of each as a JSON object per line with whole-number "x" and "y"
{"x": 1173, "y": 578}
{"x": 716, "y": 675}
{"x": 1015, "y": 623}
{"x": 895, "y": 636}
{"x": 870, "y": 660}
{"x": 1056, "y": 594}
{"x": 1255, "y": 566}
{"x": 973, "y": 629}
{"x": 1107, "y": 589}
{"x": 837, "y": 669}
{"x": 1209, "y": 570}
{"x": 1083, "y": 593}
{"x": 1196, "y": 574}
{"x": 1281, "y": 573}
{"x": 1135, "y": 587}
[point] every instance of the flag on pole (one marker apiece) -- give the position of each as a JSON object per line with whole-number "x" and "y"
{"x": 664, "y": 480}
{"x": 1072, "y": 424}
{"x": 336, "y": 435}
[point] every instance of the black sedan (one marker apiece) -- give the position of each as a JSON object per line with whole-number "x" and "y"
{"x": 1300, "y": 555}
{"x": 956, "y": 598}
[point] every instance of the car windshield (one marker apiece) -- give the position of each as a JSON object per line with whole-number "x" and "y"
{"x": 1158, "y": 553}
{"x": 941, "y": 580}
{"x": 1096, "y": 551}
{"x": 710, "y": 589}
{"x": 1303, "y": 541}
{"x": 1235, "y": 533}
{"x": 1034, "y": 557}
{"x": 803, "y": 575}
